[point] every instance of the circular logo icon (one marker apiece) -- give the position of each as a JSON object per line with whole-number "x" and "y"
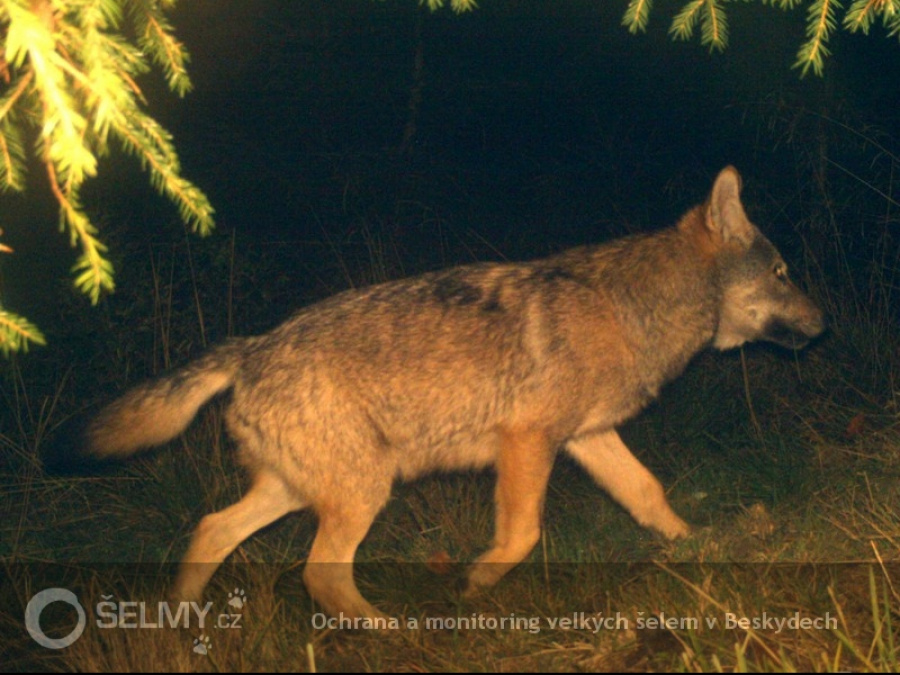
{"x": 33, "y": 617}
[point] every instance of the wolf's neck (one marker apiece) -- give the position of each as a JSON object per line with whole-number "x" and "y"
{"x": 668, "y": 298}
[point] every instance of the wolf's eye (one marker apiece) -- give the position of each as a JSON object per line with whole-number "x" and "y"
{"x": 780, "y": 270}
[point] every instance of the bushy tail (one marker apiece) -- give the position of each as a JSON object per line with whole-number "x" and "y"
{"x": 157, "y": 411}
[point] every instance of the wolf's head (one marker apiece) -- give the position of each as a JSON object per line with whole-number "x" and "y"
{"x": 758, "y": 299}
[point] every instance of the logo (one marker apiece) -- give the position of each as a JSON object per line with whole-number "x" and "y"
{"x": 38, "y": 603}
{"x": 111, "y": 613}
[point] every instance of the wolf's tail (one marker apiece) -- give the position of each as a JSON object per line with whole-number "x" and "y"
{"x": 157, "y": 411}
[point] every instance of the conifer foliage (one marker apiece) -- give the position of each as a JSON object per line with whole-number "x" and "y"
{"x": 70, "y": 70}
{"x": 822, "y": 19}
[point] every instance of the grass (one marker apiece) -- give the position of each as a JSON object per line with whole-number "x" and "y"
{"x": 786, "y": 465}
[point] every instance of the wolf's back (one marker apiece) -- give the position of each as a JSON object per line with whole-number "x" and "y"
{"x": 157, "y": 411}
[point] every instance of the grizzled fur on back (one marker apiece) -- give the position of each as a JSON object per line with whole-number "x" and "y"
{"x": 491, "y": 364}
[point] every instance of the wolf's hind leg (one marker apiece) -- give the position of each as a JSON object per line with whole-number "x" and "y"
{"x": 218, "y": 534}
{"x": 344, "y": 519}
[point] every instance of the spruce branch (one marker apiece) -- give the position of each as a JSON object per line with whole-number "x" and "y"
{"x": 713, "y": 23}
{"x": 714, "y": 26}
{"x": 71, "y": 71}
{"x": 12, "y": 98}
{"x": 16, "y": 333}
{"x": 823, "y": 17}
{"x": 458, "y": 6}
{"x": 93, "y": 273}
{"x": 637, "y": 15}
{"x": 863, "y": 13}
{"x": 141, "y": 136}
{"x": 155, "y": 36}
{"x": 820, "y": 25}
{"x": 12, "y": 156}
{"x": 782, "y": 4}
{"x": 683, "y": 24}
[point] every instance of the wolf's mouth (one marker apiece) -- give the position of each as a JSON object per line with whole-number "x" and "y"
{"x": 792, "y": 335}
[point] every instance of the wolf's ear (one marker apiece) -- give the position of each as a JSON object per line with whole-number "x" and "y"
{"x": 724, "y": 213}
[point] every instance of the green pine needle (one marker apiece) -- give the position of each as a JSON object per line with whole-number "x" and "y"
{"x": 682, "y": 27}
{"x": 637, "y": 15}
{"x": 863, "y": 13}
{"x": 12, "y": 157}
{"x": 821, "y": 23}
{"x": 713, "y": 23}
{"x": 458, "y": 6}
{"x": 73, "y": 68}
{"x": 16, "y": 333}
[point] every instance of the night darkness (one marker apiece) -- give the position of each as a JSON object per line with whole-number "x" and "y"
{"x": 348, "y": 142}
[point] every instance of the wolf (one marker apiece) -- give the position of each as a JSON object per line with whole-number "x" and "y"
{"x": 489, "y": 364}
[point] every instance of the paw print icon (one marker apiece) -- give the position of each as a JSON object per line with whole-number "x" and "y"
{"x": 237, "y": 599}
{"x": 202, "y": 645}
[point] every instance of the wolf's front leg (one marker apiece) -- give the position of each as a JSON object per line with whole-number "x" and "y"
{"x": 524, "y": 462}
{"x": 610, "y": 463}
